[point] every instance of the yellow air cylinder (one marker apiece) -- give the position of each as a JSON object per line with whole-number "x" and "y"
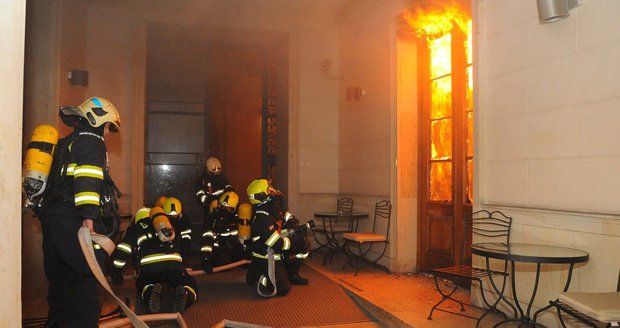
{"x": 245, "y": 214}
{"x": 38, "y": 160}
{"x": 212, "y": 206}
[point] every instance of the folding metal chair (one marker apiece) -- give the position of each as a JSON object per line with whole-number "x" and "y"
{"x": 383, "y": 211}
{"x": 344, "y": 207}
{"x": 492, "y": 226}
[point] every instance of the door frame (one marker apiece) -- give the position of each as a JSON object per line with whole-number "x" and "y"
{"x": 458, "y": 150}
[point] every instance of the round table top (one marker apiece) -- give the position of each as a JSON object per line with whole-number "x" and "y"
{"x": 324, "y": 215}
{"x": 533, "y": 253}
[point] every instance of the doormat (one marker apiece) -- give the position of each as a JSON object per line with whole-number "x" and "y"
{"x": 225, "y": 296}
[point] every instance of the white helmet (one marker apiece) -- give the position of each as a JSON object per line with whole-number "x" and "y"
{"x": 97, "y": 111}
{"x": 213, "y": 165}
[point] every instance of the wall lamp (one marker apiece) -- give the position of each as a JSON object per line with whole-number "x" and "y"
{"x": 550, "y": 11}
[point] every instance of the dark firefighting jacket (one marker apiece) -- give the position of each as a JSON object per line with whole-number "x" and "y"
{"x": 220, "y": 232}
{"x": 212, "y": 186}
{"x": 266, "y": 232}
{"x": 81, "y": 178}
{"x": 182, "y": 230}
{"x": 156, "y": 256}
{"x": 128, "y": 248}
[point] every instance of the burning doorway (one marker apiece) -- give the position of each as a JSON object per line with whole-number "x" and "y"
{"x": 444, "y": 83}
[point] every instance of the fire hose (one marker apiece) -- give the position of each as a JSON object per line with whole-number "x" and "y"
{"x": 86, "y": 239}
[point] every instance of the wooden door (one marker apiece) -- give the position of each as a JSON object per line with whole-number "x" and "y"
{"x": 446, "y": 147}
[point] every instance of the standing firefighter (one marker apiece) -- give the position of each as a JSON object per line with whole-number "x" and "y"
{"x": 212, "y": 184}
{"x": 273, "y": 263}
{"x": 79, "y": 193}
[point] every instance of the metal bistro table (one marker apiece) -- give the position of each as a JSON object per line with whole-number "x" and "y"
{"x": 529, "y": 253}
{"x": 328, "y": 220}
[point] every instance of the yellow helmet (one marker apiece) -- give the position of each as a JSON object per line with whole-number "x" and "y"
{"x": 213, "y": 165}
{"x": 229, "y": 199}
{"x": 142, "y": 213}
{"x": 160, "y": 201}
{"x": 172, "y": 206}
{"x": 97, "y": 111}
{"x": 260, "y": 190}
{"x": 155, "y": 211}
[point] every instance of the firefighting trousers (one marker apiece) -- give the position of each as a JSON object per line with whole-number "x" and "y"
{"x": 259, "y": 268}
{"x": 173, "y": 278}
{"x": 74, "y": 293}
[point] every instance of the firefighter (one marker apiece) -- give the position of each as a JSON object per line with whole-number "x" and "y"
{"x": 79, "y": 191}
{"x": 268, "y": 240}
{"x": 212, "y": 184}
{"x": 220, "y": 242}
{"x": 161, "y": 262}
{"x": 128, "y": 246}
{"x": 181, "y": 223}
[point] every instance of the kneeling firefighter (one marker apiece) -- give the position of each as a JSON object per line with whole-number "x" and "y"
{"x": 79, "y": 193}
{"x": 161, "y": 262}
{"x": 127, "y": 248}
{"x": 220, "y": 241}
{"x": 274, "y": 268}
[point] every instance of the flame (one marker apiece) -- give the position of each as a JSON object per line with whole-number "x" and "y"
{"x": 437, "y": 18}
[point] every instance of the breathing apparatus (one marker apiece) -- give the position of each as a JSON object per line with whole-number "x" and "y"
{"x": 38, "y": 162}
{"x": 245, "y": 214}
{"x": 163, "y": 228}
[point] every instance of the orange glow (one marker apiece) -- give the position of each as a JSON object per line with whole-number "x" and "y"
{"x": 469, "y": 45}
{"x": 435, "y": 21}
{"x": 437, "y": 18}
{"x": 441, "y": 181}
{"x": 441, "y": 55}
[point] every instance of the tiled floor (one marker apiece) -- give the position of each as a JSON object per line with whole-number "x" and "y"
{"x": 406, "y": 298}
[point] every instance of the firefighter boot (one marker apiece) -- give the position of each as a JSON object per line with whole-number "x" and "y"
{"x": 292, "y": 269}
{"x": 155, "y": 298}
{"x": 296, "y": 279}
{"x": 181, "y": 299}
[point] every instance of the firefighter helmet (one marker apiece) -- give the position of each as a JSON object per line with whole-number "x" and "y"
{"x": 229, "y": 199}
{"x": 214, "y": 166}
{"x": 97, "y": 111}
{"x": 172, "y": 206}
{"x": 260, "y": 191}
{"x": 142, "y": 213}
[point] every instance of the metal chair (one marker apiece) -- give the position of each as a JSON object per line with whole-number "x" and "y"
{"x": 490, "y": 225}
{"x": 567, "y": 302}
{"x": 344, "y": 207}
{"x": 383, "y": 210}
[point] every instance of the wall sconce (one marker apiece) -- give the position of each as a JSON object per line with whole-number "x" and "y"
{"x": 78, "y": 77}
{"x": 550, "y": 11}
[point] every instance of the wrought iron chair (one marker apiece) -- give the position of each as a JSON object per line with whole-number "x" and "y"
{"x": 567, "y": 303}
{"x": 344, "y": 207}
{"x": 383, "y": 210}
{"x": 493, "y": 226}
